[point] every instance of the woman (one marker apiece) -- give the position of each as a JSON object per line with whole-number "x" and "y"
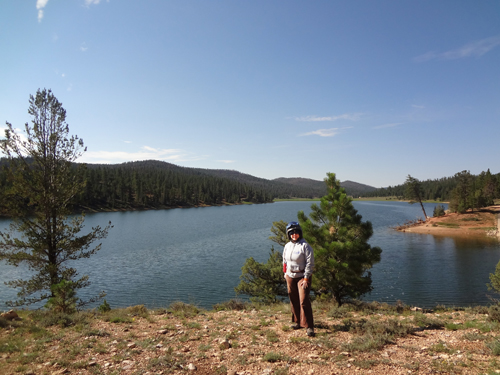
{"x": 298, "y": 264}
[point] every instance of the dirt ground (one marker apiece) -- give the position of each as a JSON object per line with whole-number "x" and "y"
{"x": 477, "y": 223}
{"x": 259, "y": 342}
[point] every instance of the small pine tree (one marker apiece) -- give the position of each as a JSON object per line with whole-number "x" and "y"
{"x": 495, "y": 279}
{"x": 63, "y": 297}
{"x": 339, "y": 238}
{"x": 438, "y": 211}
{"x": 263, "y": 282}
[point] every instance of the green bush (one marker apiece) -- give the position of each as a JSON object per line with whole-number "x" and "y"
{"x": 494, "y": 313}
{"x": 63, "y": 297}
{"x": 105, "y": 307}
{"x": 232, "y": 304}
{"x": 438, "y": 211}
{"x": 138, "y": 310}
{"x": 183, "y": 310}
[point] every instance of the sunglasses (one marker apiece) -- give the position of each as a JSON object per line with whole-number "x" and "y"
{"x": 294, "y": 232}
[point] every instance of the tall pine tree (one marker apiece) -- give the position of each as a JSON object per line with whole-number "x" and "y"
{"x": 44, "y": 182}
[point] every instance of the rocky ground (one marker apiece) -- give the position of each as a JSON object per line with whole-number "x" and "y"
{"x": 369, "y": 339}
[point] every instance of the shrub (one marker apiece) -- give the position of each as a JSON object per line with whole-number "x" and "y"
{"x": 438, "y": 211}
{"x": 105, "y": 307}
{"x": 274, "y": 357}
{"x": 183, "y": 310}
{"x": 494, "y": 346}
{"x": 494, "y": 313}
{"x": 63, "y": 297}
{"x": 48, "y": 318}
{"x": 232, "y": 304}
{"x": 427, "y": 322}
{"x": 138, "y": 310}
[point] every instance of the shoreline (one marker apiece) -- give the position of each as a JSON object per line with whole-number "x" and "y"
{"x": 484, "y": 222}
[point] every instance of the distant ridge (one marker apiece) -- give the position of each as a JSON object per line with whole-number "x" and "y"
{"x": 282, "y": 187}
{"x": 356, "y": 189}
{"x": 352, "y": 188}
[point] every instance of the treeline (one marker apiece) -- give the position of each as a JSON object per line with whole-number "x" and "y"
{"x": 149, "y": 185}
{"x": 463, "y": 188}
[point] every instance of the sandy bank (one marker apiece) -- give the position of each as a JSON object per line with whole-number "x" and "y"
{"x": 477, "y": 223}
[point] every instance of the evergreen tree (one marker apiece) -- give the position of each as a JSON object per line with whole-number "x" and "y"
{"x": 495, "y": 279}
{"x": 340, "y": 241}
{"x": 44, "y": 182}
{"x": 413, "y": 190}
{"x": 265, "y": 282}
{"x": 463, "y": 194}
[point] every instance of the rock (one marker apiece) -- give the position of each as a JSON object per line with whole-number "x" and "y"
{"x": 10, "y": 315}
{"x": 191, "y": 367}
{"x": 224, "y": 343}
{"x": 61, "y": 371}
{"x": 131, "y": 345}
{"x": 162, "y": 331}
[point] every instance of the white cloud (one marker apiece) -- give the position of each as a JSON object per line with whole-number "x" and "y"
{"x": 323, "y": 132}
{"x": 418, "y": 106}
{"x": 40, "y": 4}
{"x": 345, "y": 116}
{"x": 391, "y": 125}
{"x": 90, "y": 2}
{"x": 226, "y": 161}
{"x": 477, "y": 48}
{"x": 84, "y": 47}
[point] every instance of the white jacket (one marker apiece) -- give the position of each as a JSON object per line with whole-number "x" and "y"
{"x": 299, "y": 259}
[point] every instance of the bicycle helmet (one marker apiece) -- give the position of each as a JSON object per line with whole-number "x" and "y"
{"x": 293, "y": 226}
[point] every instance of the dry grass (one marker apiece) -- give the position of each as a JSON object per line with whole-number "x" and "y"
{"x": 356, "y": 338}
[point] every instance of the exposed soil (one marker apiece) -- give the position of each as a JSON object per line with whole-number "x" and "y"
{"x": 477, "y": 223}
{"x": 258, "y": 342}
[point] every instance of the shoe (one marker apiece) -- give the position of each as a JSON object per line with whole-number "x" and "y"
{"x": 310, "y": 332}
{"x": 295, "y": 326}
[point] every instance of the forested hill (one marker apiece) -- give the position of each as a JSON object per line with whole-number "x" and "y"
{"x": 158, "y": 184}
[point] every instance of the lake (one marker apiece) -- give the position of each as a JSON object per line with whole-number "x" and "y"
{"x": 195, "y": 255}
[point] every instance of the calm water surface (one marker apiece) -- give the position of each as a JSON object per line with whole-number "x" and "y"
{"x": 195, "y": 255}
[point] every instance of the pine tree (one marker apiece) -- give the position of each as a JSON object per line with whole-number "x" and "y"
{"x": 265, "y": 282}
{"x": 413, "y": 191}
{"x": 339, "y": 238}
{"x": 44, "y": 182}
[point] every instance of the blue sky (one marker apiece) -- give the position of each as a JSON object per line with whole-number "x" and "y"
{"x": 370, "y": 90}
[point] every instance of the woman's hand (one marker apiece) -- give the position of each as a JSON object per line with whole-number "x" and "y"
{"x": 305, "y": 283}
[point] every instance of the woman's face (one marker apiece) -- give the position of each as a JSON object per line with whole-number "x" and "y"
{"x": 294, "y": 235}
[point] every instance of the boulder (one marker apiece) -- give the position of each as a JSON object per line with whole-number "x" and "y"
{"x": 10, "y": 315}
